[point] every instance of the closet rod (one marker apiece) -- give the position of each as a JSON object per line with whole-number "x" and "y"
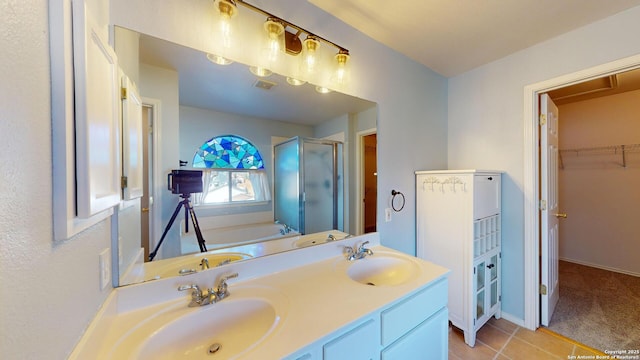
{"x": 601, "y": 150}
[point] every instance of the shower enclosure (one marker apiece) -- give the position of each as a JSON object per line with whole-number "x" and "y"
{"x": 308, "y": 184}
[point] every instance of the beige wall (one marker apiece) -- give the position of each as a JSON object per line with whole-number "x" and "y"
{"x": 601, "y": 198}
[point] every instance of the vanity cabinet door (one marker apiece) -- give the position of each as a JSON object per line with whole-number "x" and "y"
{"x": 97, "y": 148}
{"x": 429, "y": 340}
{"x": 356, "y": 344}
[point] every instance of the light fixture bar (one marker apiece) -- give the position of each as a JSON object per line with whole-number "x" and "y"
{"x": 296, "y": 27}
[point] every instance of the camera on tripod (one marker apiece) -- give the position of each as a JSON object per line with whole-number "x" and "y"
{"x": 184, "y": 181}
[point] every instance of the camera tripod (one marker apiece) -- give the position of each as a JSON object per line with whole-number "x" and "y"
{"x": 188, "y": 211}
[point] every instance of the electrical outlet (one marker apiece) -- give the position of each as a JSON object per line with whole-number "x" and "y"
{"x": 387, "y": 214}
{"x": 105, "y": 268}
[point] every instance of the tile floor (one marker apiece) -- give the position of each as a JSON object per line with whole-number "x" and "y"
{"x": 501, "y": 339}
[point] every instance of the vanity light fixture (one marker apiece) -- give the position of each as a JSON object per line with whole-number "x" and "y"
{"x": 227, "y": 10}
{"x": 323, "y": 90}
{"x": 342, "y": 73}
{"x": 260, "y": 71}
{"x": 295, "y": 82}
{"x": 274, "y": 40}
{"x": 217, "y": 59}
{"x": 284, "y": 36}
{"x": 309, "y": 59}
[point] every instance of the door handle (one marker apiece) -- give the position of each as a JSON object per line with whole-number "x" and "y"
{"x": 144, "y": 210}
{"x": 561, "y": 215}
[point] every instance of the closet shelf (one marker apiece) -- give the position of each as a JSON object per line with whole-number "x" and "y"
{"x": 621, "y": 150}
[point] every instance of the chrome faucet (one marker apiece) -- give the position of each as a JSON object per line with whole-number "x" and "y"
{"x": 285, "y": 228}
{"x": 211, "y": 296}
{"x": 357, "y": 251}
{"x": 198, "y": 298}
{"x": 332, "y": 237}
{"x": 204, "y": 263}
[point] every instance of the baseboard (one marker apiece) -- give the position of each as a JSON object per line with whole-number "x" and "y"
{"x": 513, "y": 319}
{"x": 598, "y": 266}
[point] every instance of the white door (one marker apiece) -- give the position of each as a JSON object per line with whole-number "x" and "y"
{"x": 549, "y": 207}
{"x": 132, "y": 140}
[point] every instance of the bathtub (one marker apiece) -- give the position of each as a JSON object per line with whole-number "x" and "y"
{"x": 231, "y": 236}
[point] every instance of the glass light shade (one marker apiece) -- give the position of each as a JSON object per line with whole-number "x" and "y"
{"x": 342, "y": 72}
{"x": 309, "y": 59}
{"x": 295, "y": 82}
{"x": 323, "y": 90}
{"x": 273, "y": 41}
{"x": 217, "y": 59}
{"x": 225, "y": 27}
{"x": 260, "y": 71}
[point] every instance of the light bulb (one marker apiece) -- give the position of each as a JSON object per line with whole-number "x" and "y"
{"x": 274, "y": 39}
{"x": 309, "y": 54}
{"x": 342, "y": 73}
{"x": 227, "y": 10}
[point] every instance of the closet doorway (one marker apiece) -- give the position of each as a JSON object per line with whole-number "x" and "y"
{"x": 598, "y": 169}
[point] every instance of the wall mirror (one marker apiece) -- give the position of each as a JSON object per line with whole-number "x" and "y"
{"x": 187, "y": 100}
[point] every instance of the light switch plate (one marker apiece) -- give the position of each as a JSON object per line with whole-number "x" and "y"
{"x": 387, "y": 214}
{"x": 105, "y": 268}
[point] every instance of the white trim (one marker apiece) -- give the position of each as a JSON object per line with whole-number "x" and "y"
{"x": 359, "y": 230}
{"x": 156, "y": 219}
{"x": 602, "y": 267}
{"x": 531, "y": 175}
{"x": 512, "y": 318}
{"x": 65, "y": 222}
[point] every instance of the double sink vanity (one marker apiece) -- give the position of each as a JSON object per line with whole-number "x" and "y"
{"x": 345, "y": 299}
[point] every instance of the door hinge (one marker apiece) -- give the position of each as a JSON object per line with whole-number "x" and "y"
{"x": 123, "y": 182}
{"x": 543, "y": 289}
{"x": 543, "y": 119}
{"x": 543, "y": 204}
{"x": 123, "y": 93}
{"x": 499, "y": 297}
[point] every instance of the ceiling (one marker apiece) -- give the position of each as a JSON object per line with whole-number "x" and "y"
{"x": 448, "y": 36}
{"x": 233, "y": 89}
{"x": 455, "y": 36}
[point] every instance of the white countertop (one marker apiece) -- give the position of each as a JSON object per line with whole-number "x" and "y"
{"x": 320, "y": 297}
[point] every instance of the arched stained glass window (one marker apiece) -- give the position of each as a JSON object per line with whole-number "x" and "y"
{"x": 233, "y": 172}
{"x": 228, "y": 152}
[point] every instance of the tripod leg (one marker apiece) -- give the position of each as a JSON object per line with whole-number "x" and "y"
{"x": 186, "y": 215}
{"x": 166, "y": 230}
{"x": 196, "y": 226}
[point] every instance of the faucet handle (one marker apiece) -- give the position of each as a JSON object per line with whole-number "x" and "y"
{"x": 197, "y": 293}
{"x": 224, "y": 278}
{"x": 361, "y": 246}
{"x": 221, "y": 290}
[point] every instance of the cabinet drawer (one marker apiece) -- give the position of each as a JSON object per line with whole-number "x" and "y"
{"x": 354, "y": 344}
{"x": 406, "y": 315}
{"x": 486, "y": 195}
{"x": 427, "y": 341}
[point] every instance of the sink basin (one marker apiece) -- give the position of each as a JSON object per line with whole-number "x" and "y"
{"x": 171, "y": 267}
{"x": 318, "y": 238}
{"x": 223, "y": 330}
{"x": 382, "y": 269}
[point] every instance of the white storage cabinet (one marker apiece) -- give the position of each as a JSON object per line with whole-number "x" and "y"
{"x": 458, "y": 227}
